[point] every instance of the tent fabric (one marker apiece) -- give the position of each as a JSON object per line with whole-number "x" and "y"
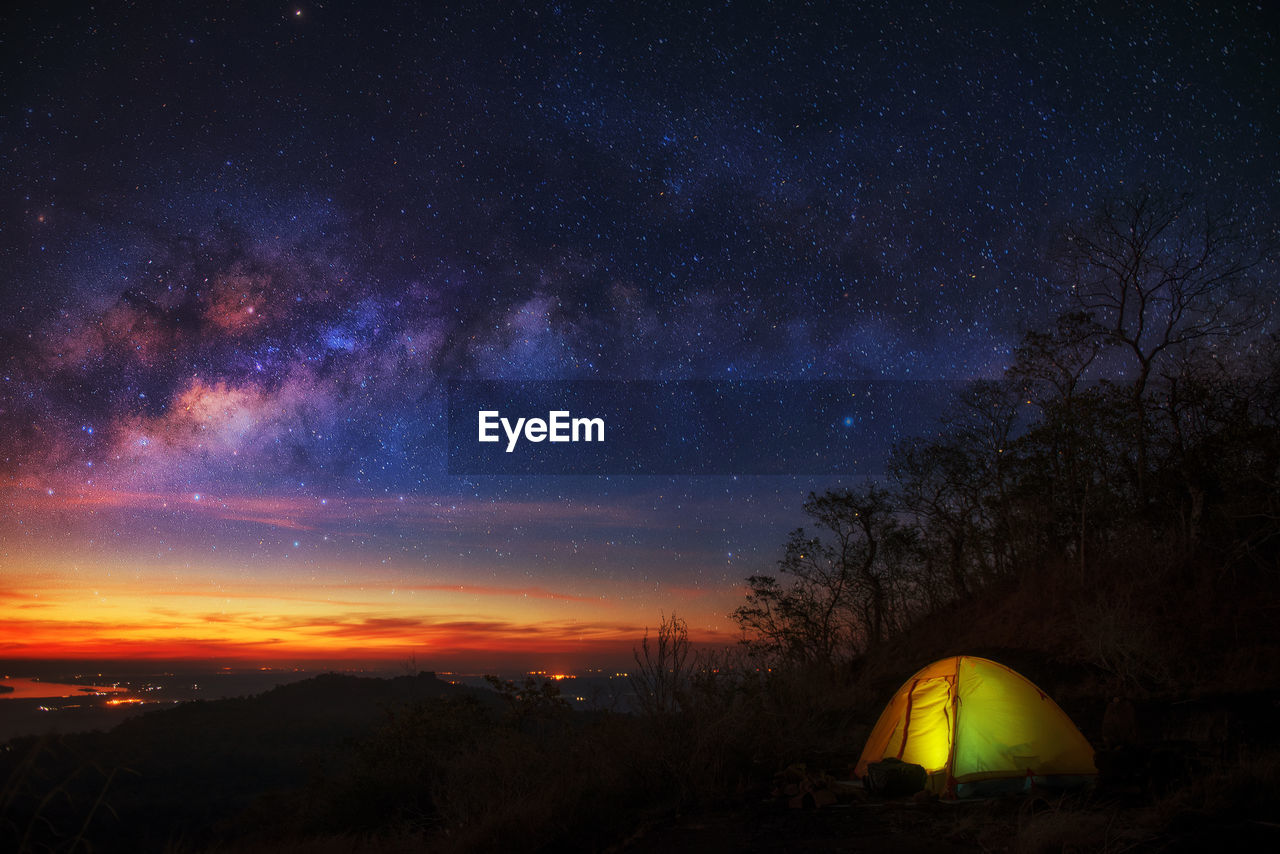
{"x": 967, "y": 719}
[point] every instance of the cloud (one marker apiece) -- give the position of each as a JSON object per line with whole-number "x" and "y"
{"x": 445, "y": 513}
{"x": 347, "y": 637}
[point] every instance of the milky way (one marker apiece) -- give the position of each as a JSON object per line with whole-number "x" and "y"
{"x": 246, "y": 247}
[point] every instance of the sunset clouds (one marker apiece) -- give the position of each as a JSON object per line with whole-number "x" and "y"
{"x": 108, "y": 572}
{"x": 88, "y": 612}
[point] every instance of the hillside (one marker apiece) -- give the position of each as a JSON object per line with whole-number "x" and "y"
{"x": 188, "y": 771}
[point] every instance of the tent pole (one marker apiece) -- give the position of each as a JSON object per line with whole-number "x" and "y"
{"x": 906, "y": 722}
{"x": 950, "y": 791}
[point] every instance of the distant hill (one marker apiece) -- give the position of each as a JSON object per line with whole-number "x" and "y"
{"x": 180, "y": 772}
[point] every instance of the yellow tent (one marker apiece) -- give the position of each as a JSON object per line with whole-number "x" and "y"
{"x": 968, "y": 720}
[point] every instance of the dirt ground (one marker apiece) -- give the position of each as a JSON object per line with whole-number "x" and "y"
{"x": 891, "y": 826}
{"x": 1016, "y": 824}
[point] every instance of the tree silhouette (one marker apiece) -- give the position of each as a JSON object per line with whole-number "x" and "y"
{"x": 846, "y": 589}
{"x": 1157, "y": 273}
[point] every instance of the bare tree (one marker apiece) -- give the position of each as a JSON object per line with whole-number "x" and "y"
{"x": 846, "y": 588}
{"x": 936, "y": 482}
{"x": 985, "y": 421}
{"x": 1156, "y": 273}
{"x": 660, "y": 678}
{"x": 1051, "y": 368}
{"x": 1053, "y": 364}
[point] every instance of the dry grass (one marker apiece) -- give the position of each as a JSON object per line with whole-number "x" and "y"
{"x": 1072, "y": 826}
{"x": 1246, "y": 791}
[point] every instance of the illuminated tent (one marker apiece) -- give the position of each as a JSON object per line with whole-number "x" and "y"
{"x": 977, "y": 727}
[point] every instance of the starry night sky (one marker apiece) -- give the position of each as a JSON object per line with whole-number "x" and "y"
{"x": 245, "y": 247}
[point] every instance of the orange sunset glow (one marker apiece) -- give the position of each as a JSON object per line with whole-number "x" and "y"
{"x": 230, "y": 579}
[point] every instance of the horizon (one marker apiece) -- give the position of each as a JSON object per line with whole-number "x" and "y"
{"x": 533, "y": 665}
